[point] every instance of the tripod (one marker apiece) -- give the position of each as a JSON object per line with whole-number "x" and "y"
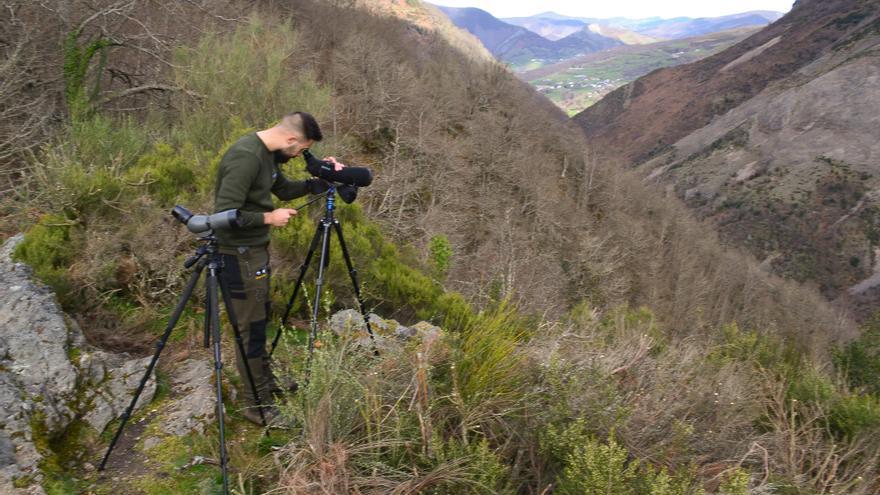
{"x": 322, "y": 233}
{"x": 214, "y": 263}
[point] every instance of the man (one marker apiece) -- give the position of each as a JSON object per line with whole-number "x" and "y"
{"x": 247, "y": 177}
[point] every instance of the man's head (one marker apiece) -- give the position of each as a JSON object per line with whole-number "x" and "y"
{"x": 296, "y": 132}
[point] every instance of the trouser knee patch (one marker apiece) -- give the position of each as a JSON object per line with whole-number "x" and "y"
{"x": 256, "y": 345}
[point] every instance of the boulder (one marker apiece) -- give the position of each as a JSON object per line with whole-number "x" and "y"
{"x": 49, "y": 375}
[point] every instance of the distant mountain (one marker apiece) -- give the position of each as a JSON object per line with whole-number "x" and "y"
{"x": 625, "y": 35}
{"x": 773, "y": 140}
{"x": 555, "y": 26}
{"x": 518, "y": 45}
{"x": 552, "y": 29}
{"x": 653, "y": 28}
{"x": 685, "y": 27}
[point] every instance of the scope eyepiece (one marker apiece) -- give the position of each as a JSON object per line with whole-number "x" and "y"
{"x": 224, "y": 220}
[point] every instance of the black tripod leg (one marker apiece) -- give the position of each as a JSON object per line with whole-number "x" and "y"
{"x": 214, "y": 311}
{"x": 181, "y": 304}
{"x": 208, "y": 319}
{"x": 247, "y": 367}
{"x": 354, "y": 281}
{"x": 302, "y": 273}
{"x": 313, "y": 334}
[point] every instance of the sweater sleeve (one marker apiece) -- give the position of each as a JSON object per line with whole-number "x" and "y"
{"x": 286, "y": 189}
{"x": 237, "y": 171}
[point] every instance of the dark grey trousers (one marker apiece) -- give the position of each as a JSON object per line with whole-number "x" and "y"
{"x": 246, "y": 275}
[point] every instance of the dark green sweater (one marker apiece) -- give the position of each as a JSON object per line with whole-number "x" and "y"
{"x": 246, "y": 179}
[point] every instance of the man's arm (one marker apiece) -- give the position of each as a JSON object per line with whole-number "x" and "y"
{"x": 237, "y": 172}
{"x": 286, "y": 189}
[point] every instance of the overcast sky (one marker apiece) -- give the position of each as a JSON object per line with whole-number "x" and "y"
{"x": 622, "y": 8}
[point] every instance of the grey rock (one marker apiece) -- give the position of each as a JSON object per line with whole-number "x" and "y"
{"x": 427, "y": 332}
{"x": 38, "y": 380}
{"x": 405, "y": 333}
{"x": 346, "y": 322}
{"x": 115, "y": 378}
{"x": 350, "y": 323}
{"x": 151, "y": 442}
{"x": 7, "y": 450}
{"x": 194, "y": 405}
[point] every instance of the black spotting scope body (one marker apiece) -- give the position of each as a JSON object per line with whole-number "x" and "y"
{"x": 353, "y": 176}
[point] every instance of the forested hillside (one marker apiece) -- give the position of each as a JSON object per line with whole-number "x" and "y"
{"x": 593, "y": 332}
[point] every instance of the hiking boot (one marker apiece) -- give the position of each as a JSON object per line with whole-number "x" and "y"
{"x": 273, "y": 417}
{"x": 279, "y": 393}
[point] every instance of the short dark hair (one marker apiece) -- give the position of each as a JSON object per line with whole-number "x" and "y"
{"x": 303, "y": 123}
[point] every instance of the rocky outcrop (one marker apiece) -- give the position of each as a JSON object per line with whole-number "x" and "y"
{"x": 49, "y": 376}
{"x": 350, "y": 324}
{"x": 196, "y": 401}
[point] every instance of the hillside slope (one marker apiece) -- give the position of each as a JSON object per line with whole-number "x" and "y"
{"x": 771, "y": 139}
{"x": 427, "y": 16}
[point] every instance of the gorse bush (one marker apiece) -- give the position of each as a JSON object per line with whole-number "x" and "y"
{"x": 859, "y": 360}
{"x": 49, "y": 248}
{"x": 165, "y": 175}
{"x": 601, "y": 468}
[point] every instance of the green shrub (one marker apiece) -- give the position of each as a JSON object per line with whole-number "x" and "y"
{"x": 49, "y": 247}
{"x": 243, "y": 77}
{"x": 489, "y": 369}
{"x": 736, "y": 482}
{"x": 859, "y": 360}
{"x": 486, "y": 474}
{"x": 855, "y": 415}
{"x": 594, "y": 468}
{"x": 77, "y": 60}
{"x": 761, "y": 349}
{"x": 587, "y": 466}
{"x": 662, "y": 483}
{"x": 103, "y": 142}
{"x": 164, "y": 173}
{"x": 441, "y": 252}
{"x": 846, "y": 415}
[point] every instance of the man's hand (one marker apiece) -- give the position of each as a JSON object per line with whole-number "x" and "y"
{"x": 337, "y": 166}
{"x": 279, "y": 217}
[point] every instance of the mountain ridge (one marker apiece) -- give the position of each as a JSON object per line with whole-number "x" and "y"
{"x": 517, "y": 44}
{"x": 654, "y": 28}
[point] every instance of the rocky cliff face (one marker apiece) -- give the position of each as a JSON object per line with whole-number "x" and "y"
{"x": 774, "y": 140}
{"x": 50, "y": 378}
